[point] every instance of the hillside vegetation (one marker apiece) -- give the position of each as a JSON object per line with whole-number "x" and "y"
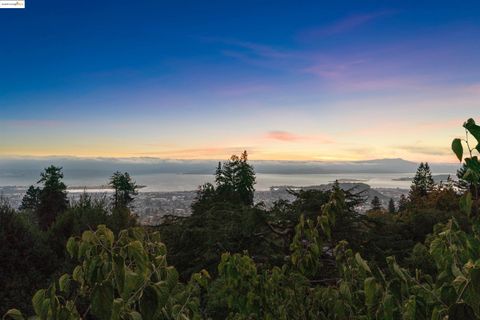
{"x": 315, "y": 257}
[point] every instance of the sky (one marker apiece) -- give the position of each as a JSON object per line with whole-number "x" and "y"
{"x": 285, "y": 80}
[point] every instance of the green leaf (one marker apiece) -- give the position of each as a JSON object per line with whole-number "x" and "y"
{"x": 136, "y": 251}
{"x": 64, "y": 283}
{"x": 102, "y": 301}
{"x": 461, "y": 311}
{"x": 149, "y": 303}
{"x": 116, "y": 308}
{"x": 72, "y": 247}
{"x": 14, "y": 314}
{"x": 37, "y": 301}
{"x": 458, "y": 148}
{"x": 172, "y": 277}
{"x": 77, "y": 274}
{"x": 134, "y": 315}
{"x": 370, "y": 288}
{"x": 473, "y": 128}
{"x": 133, "y": 281}
{"x": 119, "y": 273}
{"x": 163, "y": 293}
{"x": 388, "y": 305}
{"x": 362, "y": 263}
{"x": 466, "y": 203}
{"x": 88, "y": 236}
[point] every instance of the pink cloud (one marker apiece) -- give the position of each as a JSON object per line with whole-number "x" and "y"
{"x": 286, "y": 136}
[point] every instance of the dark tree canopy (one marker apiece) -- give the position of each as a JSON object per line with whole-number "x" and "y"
{"x": 124, "y": 189}
{"x": 391, "y": 206}
{"x": 422, "y": 183}
{"x": 235, "y": 179}
{"x": 376, "y": 204}
{"x": 31, "y": 200}
{"x": 402, "y": 203}
{"x": 52, "y": 196}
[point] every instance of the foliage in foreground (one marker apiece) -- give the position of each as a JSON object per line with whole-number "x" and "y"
{"x": 128, "y": 278}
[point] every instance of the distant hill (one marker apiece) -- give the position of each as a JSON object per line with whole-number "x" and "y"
{"x": 30, "y": 168}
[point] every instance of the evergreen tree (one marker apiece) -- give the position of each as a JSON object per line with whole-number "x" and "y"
{"x": 235, "y": 180}
{"x": 31, "y": 200}
{"x": 52, "y": 197}
{"x": 245, "y": 180}
{"x": 376, "y": 204}
{"x": 429, "y": 183}
{"x": 422, "y": 183}
{"x": 402, "y": 203}
{"x": 124, "y": 189}
{"x": 391, "y": 206}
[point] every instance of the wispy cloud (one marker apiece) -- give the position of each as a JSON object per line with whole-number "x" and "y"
{"x": 343, "y": 25}
{"x": 425, "y": 150}
{"x": 286, "y": 136}
{"x": 196, "y": 153}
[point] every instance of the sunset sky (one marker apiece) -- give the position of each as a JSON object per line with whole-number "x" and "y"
{"x": 286, "y": 80}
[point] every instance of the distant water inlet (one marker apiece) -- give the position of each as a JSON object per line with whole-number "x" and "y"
{"x": 165, "y": 182}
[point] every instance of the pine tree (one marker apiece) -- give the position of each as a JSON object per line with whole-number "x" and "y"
{"x": 245, "y": 180}
{"x": 124, "y": 189}
{"x": 422, "y": 184}
{"x": 429, "y": 183}
{"x": 31, "y": 200}
{"x": 376, "y": 204}
{"x": 52, "y": 197}
{"x": 391, "y": 206}
{"x": 402, "y": 203}
{"x": 235, "y": 180}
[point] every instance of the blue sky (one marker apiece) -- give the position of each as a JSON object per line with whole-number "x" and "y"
{"x": 306, "y": 80}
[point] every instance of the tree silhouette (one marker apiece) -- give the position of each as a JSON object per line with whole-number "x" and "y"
{"x": 376, "y": 204}
{"x": 31, "y": 200}
{"x": 402, "y": 203}
{"x": 391, "y": 206}
{"x": 124, "y": 189}
{"x": 52, "y": 197}
{"x": 422, "y": 183}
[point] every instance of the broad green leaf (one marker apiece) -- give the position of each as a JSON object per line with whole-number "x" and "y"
{"x": 474, "y": 129}
{"x": 149, "y": 303}
{"x": 116, "y": 308}
{"x": 14, "y": 314}
{"x": 64, "y": 283}
{"x": 362, "y": 262}
{"x": 88, "y": 236}
{"x": 134, "y": 315}
{"x": 119, "y": 272}
{"x": 133, "y": 281}
{"x": 37, "y": 301}
{"x": 388, "y": 306}
{"x": 370, "y": 288}
{"x": 72, "y": 247}
{"x": 172, "y": 277}
{"x": 77, "y": 274}
{"x": 102, "y": 301}
{"x": 458, "y": 148}
{"x": 163, "y": 293}
{"x": 136, "y": 251}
